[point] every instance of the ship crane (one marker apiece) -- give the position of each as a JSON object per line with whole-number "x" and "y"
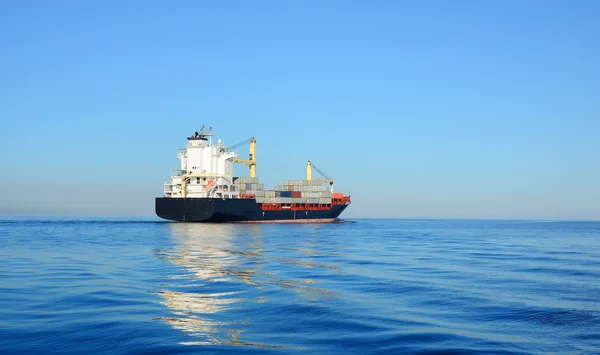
{"x": 310, "y": 166}
{"x": 251, "y": 162}
{"x": 237, "y": 145}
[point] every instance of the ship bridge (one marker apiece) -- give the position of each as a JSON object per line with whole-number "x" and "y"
{"x": 206, "y": 168}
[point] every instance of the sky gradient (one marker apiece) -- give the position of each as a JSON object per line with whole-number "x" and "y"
{"x": 423, "y": 109}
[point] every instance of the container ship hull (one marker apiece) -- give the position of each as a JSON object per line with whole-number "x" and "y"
{"x": 231, "y": 210}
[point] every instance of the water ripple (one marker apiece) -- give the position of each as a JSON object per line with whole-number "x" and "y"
{"x": 372, "y": 286}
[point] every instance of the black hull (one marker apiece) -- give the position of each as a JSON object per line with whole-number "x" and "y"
{"x": 216, "y": 210}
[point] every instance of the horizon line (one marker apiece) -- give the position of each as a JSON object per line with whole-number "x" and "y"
{"x": 133, "y": 218}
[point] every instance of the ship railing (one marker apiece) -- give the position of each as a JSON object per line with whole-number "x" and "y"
{"x": 171, "y": 183}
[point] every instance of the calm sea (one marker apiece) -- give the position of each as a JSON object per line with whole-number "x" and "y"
{"x": 360, "y": 287}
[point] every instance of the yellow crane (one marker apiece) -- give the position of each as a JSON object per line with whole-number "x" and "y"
{"x": 309, "y": 167}
{"x": 251, "y": 162}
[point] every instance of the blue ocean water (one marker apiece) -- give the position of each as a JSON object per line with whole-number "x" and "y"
{"x": 360, "y": 287}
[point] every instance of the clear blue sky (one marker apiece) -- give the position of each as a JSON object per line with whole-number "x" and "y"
{"x": 449, "y": 109}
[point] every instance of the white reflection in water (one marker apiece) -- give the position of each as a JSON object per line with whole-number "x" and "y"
{"x": 229, "y": 253}
{"x": 203, "y": 249}
{"x": 210, "y": 253}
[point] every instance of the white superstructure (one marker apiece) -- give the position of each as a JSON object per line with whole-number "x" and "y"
{"x": 206, "y": 169}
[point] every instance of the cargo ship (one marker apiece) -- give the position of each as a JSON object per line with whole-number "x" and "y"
{"x": 204, "y": 189}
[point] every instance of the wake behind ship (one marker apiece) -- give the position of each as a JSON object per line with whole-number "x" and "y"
{"x": 204, "y": 189}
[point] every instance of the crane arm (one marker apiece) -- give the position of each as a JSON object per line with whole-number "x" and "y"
{"x": 327, "y": 178}
{"x": 243, "y": 161}
{"x": 251, "y": 162}
{"x": 237, "y": 145}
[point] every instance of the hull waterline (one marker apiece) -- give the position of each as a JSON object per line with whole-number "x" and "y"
{"x": 217, "y": 210}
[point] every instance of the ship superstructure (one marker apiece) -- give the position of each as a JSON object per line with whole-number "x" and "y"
{"x": 204, "y": 189}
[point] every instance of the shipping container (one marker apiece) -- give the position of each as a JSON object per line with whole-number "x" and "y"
{"x": 246, "y": 180}
{"x": 313, "y": 200}
{"x": 301, "y": 201}
{"x": 326, "y": 201}
{"x": 296, "y": 194}
{"x": 286, "y": 193}
{"x": 255, "y": 187}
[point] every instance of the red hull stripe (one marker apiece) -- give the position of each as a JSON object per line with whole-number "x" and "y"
{"x": 282, "y": 221}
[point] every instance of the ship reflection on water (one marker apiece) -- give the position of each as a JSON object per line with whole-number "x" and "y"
{"x": 204, "y": 252}
{"x": 224, "y": 281}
